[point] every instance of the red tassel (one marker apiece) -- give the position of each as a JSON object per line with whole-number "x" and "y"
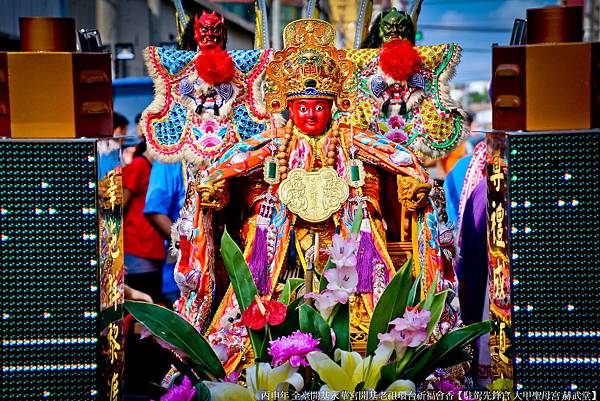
{"x": 399, "y": 59}
{"x": 215, "y": 66}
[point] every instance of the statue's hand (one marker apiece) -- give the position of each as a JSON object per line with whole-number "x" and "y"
{"x": 213, "y": 195}
{"x": 412, "y": 193}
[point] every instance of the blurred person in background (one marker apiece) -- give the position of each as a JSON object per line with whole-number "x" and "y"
{"x": 120, "y": 125}
{"x": 144, "y": 248}
{"x": 164, "y": 200}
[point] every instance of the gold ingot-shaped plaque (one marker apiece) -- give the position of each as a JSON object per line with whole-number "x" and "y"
{"x": 313, "y": 196}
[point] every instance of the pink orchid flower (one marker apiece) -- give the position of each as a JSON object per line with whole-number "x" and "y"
{"x": 343, "y": 252}
{"x": 409, "y": 331}
{"x": 342, "y": 282}
{"x": 325, "y": 302}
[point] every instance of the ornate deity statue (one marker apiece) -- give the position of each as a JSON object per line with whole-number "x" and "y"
{"x": 283, "y": 185}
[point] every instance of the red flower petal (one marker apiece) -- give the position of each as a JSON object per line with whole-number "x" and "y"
{"x": 276, "y": 312}
{"x": 253, "y": 318}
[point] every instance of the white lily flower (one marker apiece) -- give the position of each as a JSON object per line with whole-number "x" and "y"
{"x": 353, "y": 369}
{"x": 402, "y": 386}
{"x": 261, "y": 378}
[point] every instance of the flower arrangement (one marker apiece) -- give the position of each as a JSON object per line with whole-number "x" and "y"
{"x": 303, "y": 342}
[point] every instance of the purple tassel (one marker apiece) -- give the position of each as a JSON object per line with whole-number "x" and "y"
{"x": 367, "y": 253}
{"x": 259, "y": 261}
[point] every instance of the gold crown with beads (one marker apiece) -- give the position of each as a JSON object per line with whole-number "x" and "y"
{"x": 309, "y": 66}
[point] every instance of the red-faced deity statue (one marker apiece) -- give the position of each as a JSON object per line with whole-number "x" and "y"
{"x": 311, "y": 116}
{"x": 209, "y": 31}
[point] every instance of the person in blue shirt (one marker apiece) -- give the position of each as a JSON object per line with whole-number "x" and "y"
{"x": 164, "y": 200}
{"x": 453, "y": 186}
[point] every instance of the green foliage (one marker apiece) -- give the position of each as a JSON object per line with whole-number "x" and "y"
{"x": 291, "y": 285}
{"x": 291, "y": 322}
{"x": 454, "y": 357}
{"x": 436, "y": 308}
{"x": 341, "y": 327}
{"x": 172, "y": 328}
{"x": 311, "y": 321}
{"x": 478, "y": 97}
{"x": 414, "y": 296}
{"x": 429, "y": 358}
{"x": 243, "y": 286}
{"x": 238, "y": 272}
{"x": 431, "y": 293}
{"x": 391, "y": 304}
{"x": 202, "y": 392}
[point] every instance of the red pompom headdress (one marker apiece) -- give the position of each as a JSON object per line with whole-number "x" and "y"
{"x": 215, "y": 66}
{"x": 399, "y": 60}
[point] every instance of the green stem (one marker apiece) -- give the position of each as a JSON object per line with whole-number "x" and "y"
{"x": 333, "y": 313}
{"x": 404, "y": 361}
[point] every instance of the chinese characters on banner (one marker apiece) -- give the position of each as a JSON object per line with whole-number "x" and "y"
{"x": 111, "y": 272}
{"x": 499, "y": 273}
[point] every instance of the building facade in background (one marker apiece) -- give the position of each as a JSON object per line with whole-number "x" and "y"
{"x": 139, "y": 23}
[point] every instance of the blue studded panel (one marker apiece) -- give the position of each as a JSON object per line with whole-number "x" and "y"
{"x": 49, "y": 287}
{"x": 169, "y": 132}
{"x": 245, "y": 125}
{"x": 245, "y": 60}
{"x": 554, "y": 205}
{"x": 175, "y": 60}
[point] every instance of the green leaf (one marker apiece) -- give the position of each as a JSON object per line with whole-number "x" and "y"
{"x": 391, "y": 304}
{"x": 431, "y": 357}
{"x": 202, "y": 392}
{"x": 431, "y": 292}
{"x": 291, "y": 322}
{"x": 260, "y": 344}
{"x": 454, "y": 358}
{"x": 436, "y": 308}
{"x": 238, "y": 272}
{"x": 341, "y": 327}
{"x": 414, "y": 296}
{"x": 243, "y": 285}
{"x": 175, "y": 330}
{"x": 312, "y": 322}
{"x": 388, "y": 376}
{"x": 291, "y": 285}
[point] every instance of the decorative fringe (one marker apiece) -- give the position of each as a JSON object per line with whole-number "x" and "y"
{"x": 367, "y": 253}
{"x": 259, "y": 261}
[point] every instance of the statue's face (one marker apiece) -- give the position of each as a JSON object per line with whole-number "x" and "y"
{"x": 209, "y": 31}
{"x": 311, "y": 116}
{"x": 396, "y": 25}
